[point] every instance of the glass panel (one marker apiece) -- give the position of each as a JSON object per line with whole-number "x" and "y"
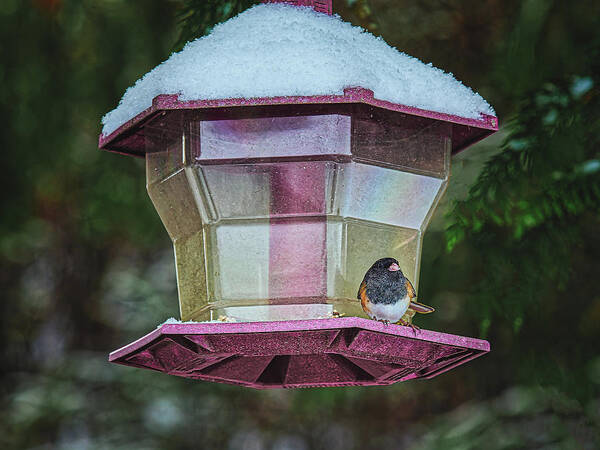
{"x": 281, "y": 239}
{"x": 353, "y": 246}
{"x": 264, "y": 313}
{"x": 270, "y": 137}
{"x": 238, "y": 260}
{"x": 159, "y": 165}
{"x": 378, "y": 194}
{"x": 241, "y": 191}
{"x": 262, "y": 259}
{"x": 403, "y": 142}
{"x": 298, "y": 257}
{"x": 191, "y": 271}
{"x": 175, "y": 202}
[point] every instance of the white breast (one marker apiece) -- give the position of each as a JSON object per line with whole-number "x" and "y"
{"x": 393, "y": 312}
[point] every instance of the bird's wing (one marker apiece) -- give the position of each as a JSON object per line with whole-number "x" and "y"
{"x": 410, "y": 289}
{"x": 420, "y": 307}
{"x": 362, "y": 296}
{"x": 362, "y": 290}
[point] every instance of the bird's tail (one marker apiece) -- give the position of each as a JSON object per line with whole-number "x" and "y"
{"x": 421, "y": 308}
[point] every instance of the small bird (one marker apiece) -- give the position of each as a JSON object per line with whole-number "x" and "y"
{"x": 386, "y": 294}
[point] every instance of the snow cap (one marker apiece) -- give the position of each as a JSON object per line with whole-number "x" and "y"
{"x": 276, "y": 49}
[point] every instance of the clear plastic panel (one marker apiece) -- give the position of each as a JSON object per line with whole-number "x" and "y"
{"x": 171, "y": 193}
{"x": 268, "y": 223}
{"x": 378, "y": 194}
{"x": 192, "y": 273}
{"x": 263, "y": 190}
{"x": 238, "y": 259}
{"x": 402, "y": 142}
{"x": 270, "y": 137}
{"x": 353, "y": 246}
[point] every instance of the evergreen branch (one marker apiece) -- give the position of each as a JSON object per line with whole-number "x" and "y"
{"x": 529, "y": 206}
{"x": 548, "y": 169}
{"x": 198, "y": 17}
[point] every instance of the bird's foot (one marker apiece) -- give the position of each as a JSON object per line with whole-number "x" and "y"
{"x": 410, "y": 325}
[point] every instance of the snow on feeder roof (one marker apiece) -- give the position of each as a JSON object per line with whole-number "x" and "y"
{"x": 278, "y": 50}
{"x": 286, "y": 152}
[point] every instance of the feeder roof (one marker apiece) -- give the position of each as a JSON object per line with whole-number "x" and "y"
{"x": 277, "y": 50}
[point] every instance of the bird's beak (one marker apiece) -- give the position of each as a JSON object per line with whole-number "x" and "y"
{"x": 394, "y": 268}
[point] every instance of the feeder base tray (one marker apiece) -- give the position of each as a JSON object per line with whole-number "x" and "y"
{"x": 348, "y": 351}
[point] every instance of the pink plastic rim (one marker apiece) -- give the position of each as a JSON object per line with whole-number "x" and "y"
{"x": 299, "y": 353}
{"x": 323, "y": 6}
{"x": 466, "y": 131}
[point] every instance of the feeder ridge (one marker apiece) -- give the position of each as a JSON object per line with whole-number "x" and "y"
{"x": 323, "y": 6}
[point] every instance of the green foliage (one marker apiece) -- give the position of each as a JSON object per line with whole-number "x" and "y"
{"x": 528, "y": 206}
{"x": 198, "y": 17}
{"x": 548, "y": 169}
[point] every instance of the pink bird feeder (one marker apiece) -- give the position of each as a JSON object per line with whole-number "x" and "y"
{"x": 277, "y": 206}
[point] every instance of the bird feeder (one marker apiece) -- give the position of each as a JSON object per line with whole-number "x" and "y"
{"x": 276, "y": 207}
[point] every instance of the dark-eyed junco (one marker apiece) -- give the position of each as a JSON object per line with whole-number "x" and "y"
{"x": 386, "y": 294}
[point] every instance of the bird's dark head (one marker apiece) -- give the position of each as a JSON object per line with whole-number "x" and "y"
{"x": 387, "y": 263}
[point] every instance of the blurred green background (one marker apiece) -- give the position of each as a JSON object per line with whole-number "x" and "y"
{"x": 513, "y": 253}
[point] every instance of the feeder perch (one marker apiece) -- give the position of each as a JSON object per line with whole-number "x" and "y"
{"x": 277, "y": 206}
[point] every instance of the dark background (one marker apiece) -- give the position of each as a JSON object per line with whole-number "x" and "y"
{"x": 512, "y": 255}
